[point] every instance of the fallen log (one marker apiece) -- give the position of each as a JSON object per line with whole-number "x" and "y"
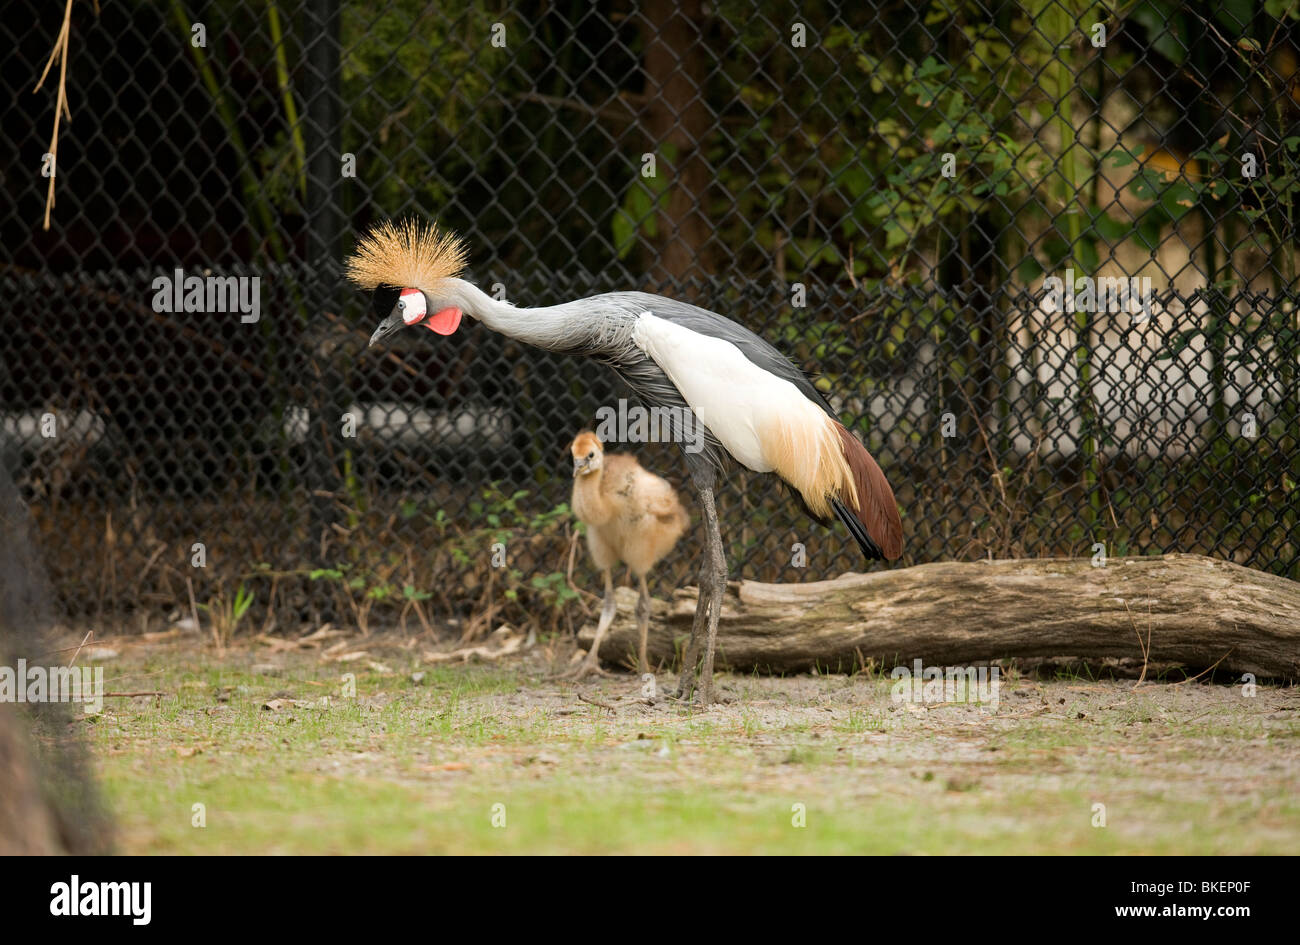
{"x": 1176, "y": 609}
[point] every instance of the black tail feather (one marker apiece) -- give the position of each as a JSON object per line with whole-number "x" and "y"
{"x": 870, "y": 549}
{"x": 857, "y": 530}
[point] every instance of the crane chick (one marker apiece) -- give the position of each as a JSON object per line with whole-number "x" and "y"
{"x": 632, "y": 516}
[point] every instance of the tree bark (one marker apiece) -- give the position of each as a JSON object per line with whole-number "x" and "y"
{"x": 1185, "y": 610}
{"x": 47, "y": 800}
{"x": 677, "y": 113}
{"x": 26, "y": 826}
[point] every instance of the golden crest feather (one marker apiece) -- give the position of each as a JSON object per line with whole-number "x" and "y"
{"x": 405, "y": 255}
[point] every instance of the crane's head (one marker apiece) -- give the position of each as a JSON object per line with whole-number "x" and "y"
{"x": 407, "y": 268}
{"x": 588, "y": 454}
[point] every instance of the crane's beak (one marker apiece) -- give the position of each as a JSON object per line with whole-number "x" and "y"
{"x": 580, "y": 465}
{"x": 387, "y": 327}
{"x": 443, "y": 322}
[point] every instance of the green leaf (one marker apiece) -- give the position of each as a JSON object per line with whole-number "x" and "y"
{"x": 1110, "y": 229}
{"x": 1029, "y": 269}
{"x": 1177, "y": 199}
{"x": 1235, "y": 15}
{"x": 624, "y": 232}
{"x": 1166, "y": 29}
{"x": 1086, "y": 252}
{"x": 1147, "y": 233}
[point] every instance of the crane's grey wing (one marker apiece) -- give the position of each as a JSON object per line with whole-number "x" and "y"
{"x": 652, "y": 385}
{"x": 882, "y": 515}
{"x": 649, "y": 382}
{"x": 752, "y": 346}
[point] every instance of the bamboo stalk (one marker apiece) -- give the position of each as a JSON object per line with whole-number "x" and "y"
{"x": 1056, "y": 24}
{"x": 286, "y": 94}
{"x": 253, "y": 193}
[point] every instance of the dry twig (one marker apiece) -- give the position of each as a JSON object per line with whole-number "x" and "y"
{"x": 595, "y": 702}
{"x": 58, "y": 54}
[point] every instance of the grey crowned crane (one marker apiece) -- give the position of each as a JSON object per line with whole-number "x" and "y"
{"x": 755, "y": 406}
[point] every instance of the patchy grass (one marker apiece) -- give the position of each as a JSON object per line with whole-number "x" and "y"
{"x": 425, "y": 767}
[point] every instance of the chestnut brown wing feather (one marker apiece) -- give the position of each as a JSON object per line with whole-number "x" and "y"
{"x": 876, "y": 509}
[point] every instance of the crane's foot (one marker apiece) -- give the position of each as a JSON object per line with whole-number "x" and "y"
{"x": 685, "y": 689}
{"x": 695, "y": 701}
{"x": 588, "y": 667}
{"x": 697, "y": 691}
{"x": 690, "y": 695}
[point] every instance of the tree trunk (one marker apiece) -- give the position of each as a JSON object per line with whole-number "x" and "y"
{"x": 677, "y": 113}
{"x": 26, "y": 825}
{"x": 1188, "y": 610}
{"x": 47, "y": 800}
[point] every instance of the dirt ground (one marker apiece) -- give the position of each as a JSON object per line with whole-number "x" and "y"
{"x": 364, "y": 745}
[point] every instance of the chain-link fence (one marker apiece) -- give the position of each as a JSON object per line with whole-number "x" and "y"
{"x": 1041, "y": 255}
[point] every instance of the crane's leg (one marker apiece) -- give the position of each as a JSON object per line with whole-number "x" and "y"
{"x": 713, "y": 584}
{"x": 717, "y": 562}
{"x": 642, "y": 627}
{"x": 691, "y": 659}
{"x": 608, "y": 608}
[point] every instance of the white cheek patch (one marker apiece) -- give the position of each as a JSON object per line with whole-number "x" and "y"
{"x": 412, "y": 306}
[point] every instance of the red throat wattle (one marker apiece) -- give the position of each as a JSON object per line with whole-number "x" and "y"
{"x": 444, "y": 322}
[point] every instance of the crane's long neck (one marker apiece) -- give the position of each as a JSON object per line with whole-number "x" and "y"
{"x": 589, "y": 501}
{"x": 582, "y": 325}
